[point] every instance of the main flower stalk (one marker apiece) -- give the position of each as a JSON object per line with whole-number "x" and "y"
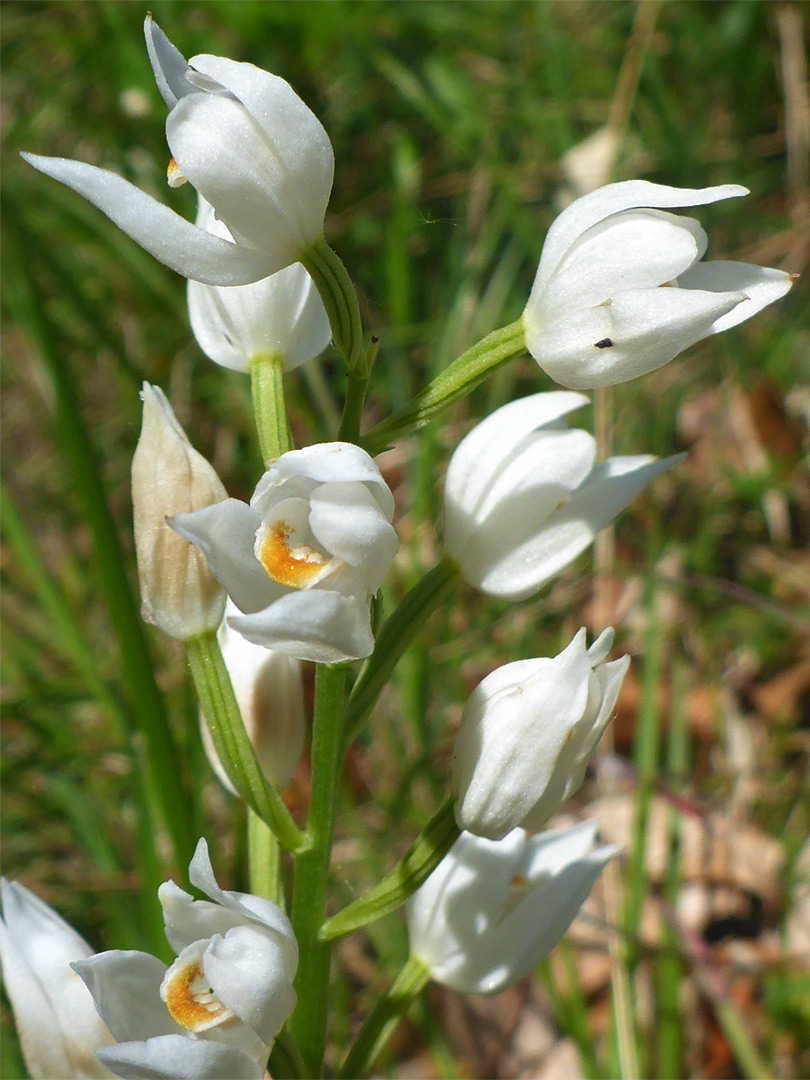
{"x": 308, "y": 1022}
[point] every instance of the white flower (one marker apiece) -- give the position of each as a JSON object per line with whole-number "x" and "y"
{"x": 523, "y": 495}
{"x": 527, "y": 733}
{"x": 251, "y": 148}
{"x": 56, "y": 1020}
{"x": 620, "y": 289}
{"x": 304, "y": 559}
{"x": 492, "y": 910}
{"x": 178, "y": 592}
{"x": 281, "y": 316}
{"x": 217, "y": 1009}
{"x": 270, "y": 696}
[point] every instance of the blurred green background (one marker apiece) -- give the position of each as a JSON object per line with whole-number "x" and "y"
{"x": 453, "y": 126}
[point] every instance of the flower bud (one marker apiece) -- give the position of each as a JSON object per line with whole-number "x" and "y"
{"x": 178, "y": 592}
{"x": 527, "y": 733}
{"x": 491, "y": 910}
{"x": 270, "y": 695}
{"x": 56, "y": 1019}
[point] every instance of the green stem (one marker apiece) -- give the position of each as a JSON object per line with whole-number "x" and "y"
{"x": 356, "y": 387}
{"x": 384, "y": 1019}
{"x": 340, "y": 300}
{"x": 264, "y": 860}
{"x": 396, "y": 635}
{"x": 231, "y": 741}
{"x": 267, "y": 390}
{"x": 421, "y": 859}
{"x": 308, "y": 1022}
{"x": 457, "y": 380}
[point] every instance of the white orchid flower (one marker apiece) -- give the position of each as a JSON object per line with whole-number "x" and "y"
{"x": 304, "y": 559}
{"x": 270, "y": 694}
{"x": 251, "y": 148}
{"x": 217, "y": 1009}
{"x": 492, "y": 910}
{"x": 620, "y": 288}
{"x": 280, "y": 317}
{"x": 527, "y": 733}
{"x": 56, "y": 1019}
{"x": 178, "y": 592}
{"x": 523, "y": 495}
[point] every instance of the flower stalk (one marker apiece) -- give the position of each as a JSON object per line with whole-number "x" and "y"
{"x": 269, "y": 410}
{"x": 231, "y": 741}
{"x": 384, "y": 1019}
{"x": 455, "y": 382}
{"x": 418, "y": 863}
{"x": 308, "y": 1022}
{"x": 335, "y": 287}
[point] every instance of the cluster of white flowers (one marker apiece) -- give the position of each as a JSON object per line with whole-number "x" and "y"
{"x": 620, "y": 290}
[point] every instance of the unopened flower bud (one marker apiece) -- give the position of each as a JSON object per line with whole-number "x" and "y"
{"x": 178, "y": 592}
{"x": 270, "y": 695}
{"x": 527, "y": 733}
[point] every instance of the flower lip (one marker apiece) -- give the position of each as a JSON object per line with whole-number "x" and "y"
{"x": 297, "y": 567}
{"x": 190, "y": 1000}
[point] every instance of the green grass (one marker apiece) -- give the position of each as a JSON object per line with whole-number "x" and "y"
{"x": 449, "y": 121}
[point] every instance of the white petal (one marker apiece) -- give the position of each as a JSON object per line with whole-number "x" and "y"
{"x": 290, "y": 126}
{"x": 639, "y": 249}
{"x": 761, "y": 285}
{"x": 56, "y": 1019}
{"x": 599, "y": 650}
{"x": 168, "y": 63}
{"x": 224, "y": 153}
{"x": 245, "y": 905}
{"x": 583, "y": 738}
{"x": 126, "y": 989}
{"x": 510, "y": 738}
{"x": 348, "y": 523}
{"x": 569, "y": 530}
{"x": 281, "y": 316}
{"x": 323, "y": 463}
{"x": 226, "y": 533}
{"x": 179, "y": 1057}
{"x": 483, "y": 452}
{"x": 163, "y": 233}
{"x": 532, "y": 929}
{"x": 187, "y": 920}
{"x": 638, "y": 331}
{"x": 586, "y": 212}
{"x": 317, "y": 625}
{"x": 248, "y": 974}
{"x": 213, "y": 326}
{"x": 547, "y": 467}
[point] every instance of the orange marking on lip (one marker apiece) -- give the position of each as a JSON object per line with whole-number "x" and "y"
{"x": 294, "y": 568}
{"x": 193, "y": 1010}
{"x": 173, "y": 175}
{"x": 519, "y": 881}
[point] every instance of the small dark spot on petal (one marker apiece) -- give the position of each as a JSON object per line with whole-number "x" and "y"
{"x": 605, "y": 343}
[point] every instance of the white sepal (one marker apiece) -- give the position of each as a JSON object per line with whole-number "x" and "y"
{"x": 57, "y": 1023}
{"x": 526, "y": 735}
{"x": 523, "y": 497}
{"x": 492, "y": 910}
{"x": 620, "y": 289}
